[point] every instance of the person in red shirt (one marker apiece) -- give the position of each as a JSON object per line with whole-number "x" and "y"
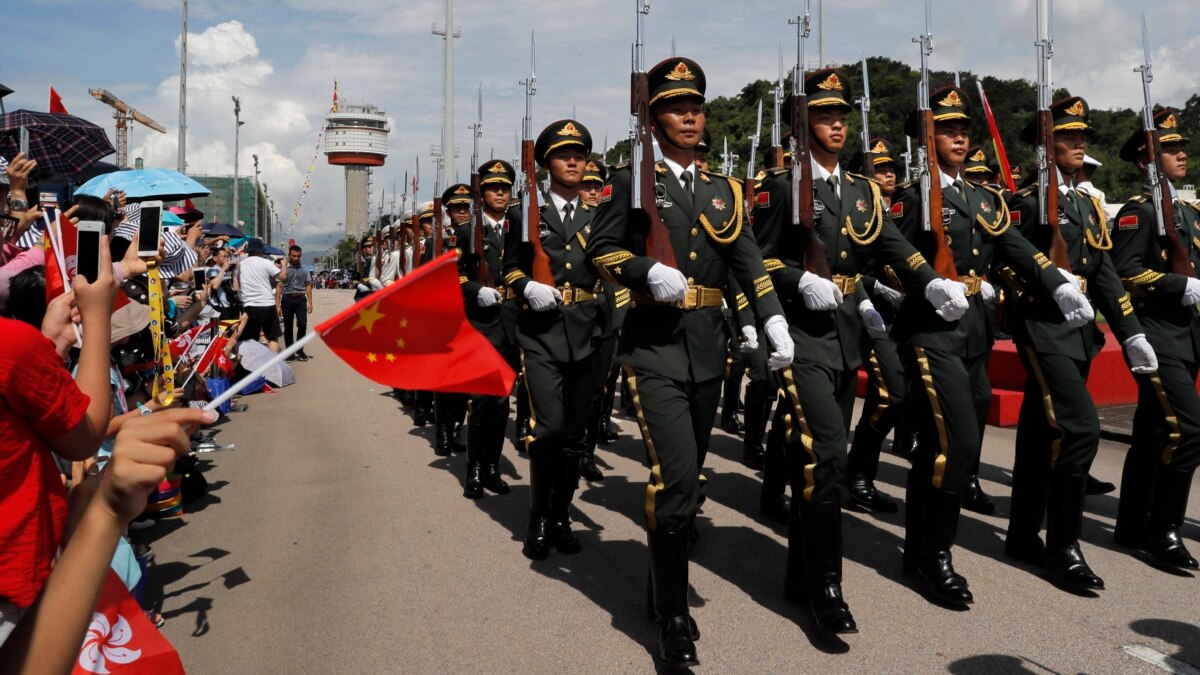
{"x": 44, "y": 411}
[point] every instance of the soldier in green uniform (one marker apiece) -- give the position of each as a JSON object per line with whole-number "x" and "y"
{"x": 826, "y": 317}
{"x": 976, "y": 169}
{"x": 557, "y": 327}
{"x": 612, "y": 305}
{"x": 947, "y": 361}
{"x": 492, "y": 310}
{"x": 887, "y": 388}
{"x": 450, "y": 410}
{"x": 672, "y": 346}
{"x": 1058, "y": 433}
{"x": 423, "y": 409}
{"x": 1166, "y": 428}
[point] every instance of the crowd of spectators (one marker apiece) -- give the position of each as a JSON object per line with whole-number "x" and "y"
{"x": 102, "y": 391}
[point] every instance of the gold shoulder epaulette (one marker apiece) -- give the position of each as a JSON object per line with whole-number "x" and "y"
{"x": 1026, "y": 191}
{"x": 731, "y": 228}
{"x": 862, "y": 177}
{"x": 776, "y": 170}
{"x": 1141, "y": 198}
{"x": 874, "y": 224}
{"x": 1003, "y": 221}
{"x": 905, "y": 186}
{"x": 714, "y": 174}
{"x": 621, "y": 167}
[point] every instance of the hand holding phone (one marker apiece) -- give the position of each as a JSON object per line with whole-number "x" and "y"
{"x": 150, "y": 229}
{"x": 87, "y": 249}
{"x": 24, "y": 142}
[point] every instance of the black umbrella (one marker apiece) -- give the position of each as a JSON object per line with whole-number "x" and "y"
{"x": 221, "y": 230}
{"x": 59, "y": 143}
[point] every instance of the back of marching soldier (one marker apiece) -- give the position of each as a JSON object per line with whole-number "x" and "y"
{"x": 825, "y": 315}
{"x": 1159, "y": 271}
{"x": 672, "y": 345}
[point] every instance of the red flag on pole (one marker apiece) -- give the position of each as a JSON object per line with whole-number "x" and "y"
{"x": 121, "y": 640}
{"x": 997, "y": 142}
{"x": 414, "y": 335}
{"x": 56, "y": 104}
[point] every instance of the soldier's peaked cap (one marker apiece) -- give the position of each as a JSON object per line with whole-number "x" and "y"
{"x": 1070, "y": 114}
{"x": 561, "y": 134}
{"x": 949, "y": 103}
{"x": 1166, "y": 122}
{"x": 459, "y": 193}
{"x": 675, "y": 77}
{"x": 496, "y": 172}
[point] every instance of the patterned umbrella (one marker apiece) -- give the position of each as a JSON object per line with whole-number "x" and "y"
{"x": 60, "y": 143}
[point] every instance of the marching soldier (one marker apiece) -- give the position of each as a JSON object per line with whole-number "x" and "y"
{"x": 947, "y": 361}
{"x": 976, "y": 169}
{"x": 451, "y": 409}
{"x": 423, "y": 410}
{"x": 826, "y": 317}
{"x": 1058, "y": 433}
{"x": 887, "y": 388}
{"x": 557, "y": 327}
{"x": 1166, "y": 428}
{"x": 612, "y": 306}
{"x": 492, "y": 310}
{"x": 672, "y": 346}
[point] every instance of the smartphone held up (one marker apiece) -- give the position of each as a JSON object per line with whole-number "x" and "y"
{"x": 149, "y": 229}
{"x": 87, "y": 249}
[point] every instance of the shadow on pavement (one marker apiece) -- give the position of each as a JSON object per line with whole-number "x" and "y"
{"x": 1184, "y": 636}
{"x": 996, "y": 664}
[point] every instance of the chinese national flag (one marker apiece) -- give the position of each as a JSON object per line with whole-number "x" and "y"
{"x": 121, "y": 640}
{"x": 68, "y": 240}
{"x": 414, "y": 335}
{"x": 56, "y": 104}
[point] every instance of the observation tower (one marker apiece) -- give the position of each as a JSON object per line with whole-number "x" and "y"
{"x": 356, "y": 138}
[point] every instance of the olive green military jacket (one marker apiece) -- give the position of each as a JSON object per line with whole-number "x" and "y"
{"x": 568, "y": 332}
{"x": 849, "y": 227}
{"x": 498, "y": 322}
{"x": 1037, "y": 320}
{"x": 710, "y": 240}
{"x": 981, "y": 238}
{"x": 1140, "y": 256}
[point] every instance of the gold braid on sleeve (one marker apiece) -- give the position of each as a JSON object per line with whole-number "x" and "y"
{"x": 1104, "y": 241}
{"x": 874, "y": 224}
{"x": 735, "y": 224}
{"x": 1003, "y": 219}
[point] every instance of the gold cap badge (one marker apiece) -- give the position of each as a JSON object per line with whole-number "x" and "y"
{"x": 681, "y": 72}
{"x": 879, "y": 149}
{"x": 462, "y": 190}
{"x": 1168, "y": 123}
{"x": 497, "y": 168}
{"x": 978, "y": 156}
{"x": 831, "y": 83}
{"x": 952, "y": 100}
{"x": 591, "y": 166}
{"x": 569, "y": 130}
{"x": 1076, "y": 110}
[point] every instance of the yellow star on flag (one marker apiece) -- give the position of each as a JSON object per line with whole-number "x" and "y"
{"x": 372, "y": 358}
{"x": 368, "y": 317}
{"x": 404, "y": 323}
{"x": 391, "y": 358}
{"x": 400, "y": 343}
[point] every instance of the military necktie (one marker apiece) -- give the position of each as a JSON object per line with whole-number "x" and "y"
{"x": 568, "y": 216}
{"x": 686, "y": 179}
{"x": 833, "y": 184}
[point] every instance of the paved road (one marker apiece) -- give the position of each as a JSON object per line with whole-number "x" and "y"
{"x": 335, "y": 541}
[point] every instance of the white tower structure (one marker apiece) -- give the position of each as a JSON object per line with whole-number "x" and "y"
{"x": 356, "y": 138}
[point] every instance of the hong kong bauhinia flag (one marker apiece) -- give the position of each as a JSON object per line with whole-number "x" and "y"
{"x": 120, "y": 639}
{"x": 414, "y": 334}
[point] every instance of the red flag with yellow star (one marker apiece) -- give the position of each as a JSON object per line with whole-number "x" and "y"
{"x": 414, "y": 334}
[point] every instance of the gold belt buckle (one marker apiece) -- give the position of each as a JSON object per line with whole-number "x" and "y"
{"x": 1082, "y": 285}
{"x": 973, "y": 284}
{"x": 690, "y": 298}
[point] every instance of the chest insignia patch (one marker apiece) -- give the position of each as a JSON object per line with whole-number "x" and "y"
{"x": 985, "y": 207}
{"x": 861, "y": 205}
{"x": 762, "y": 200}
{"x": 1127, "y": 223}
{"x": 606, "y": 194}
{"x": 718, "y": 203}
{"x": 898, "y": 210}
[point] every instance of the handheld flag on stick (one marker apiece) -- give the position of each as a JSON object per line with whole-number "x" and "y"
{"x": 997, "y": 142}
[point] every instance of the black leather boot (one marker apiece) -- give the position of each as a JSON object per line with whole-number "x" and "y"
{"x": 904, "y": 438}
{"x": 975, "y": 499}
{"x": 537, "y": 538}
{"x": 1161, "y": 540}
{"x": 934, "y": 564}
{"x": 493, "y": 481}
{"x": 669, "y": 585}
{"x": 821, "y": 528}
{"x": 862, "y": 465}
{"x": 1095, "y": 486}
{"x": 456, "y": 430}
{"x": 566, "y": 481}
{"x": 520, "y": 432}
{"x": 420, "y": 415}
{"x": 473, "y": 486}
{"x": 1137, "y": 488}
{"x": 771, "y": 502}
{"x": 1064, "y": 559}
{"x": 441, "y": 441}
{"x": 1027, "y": 511}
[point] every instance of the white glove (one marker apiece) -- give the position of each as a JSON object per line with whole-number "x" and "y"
{"x": 488, "y": 296}
{"x": 1142, "y": 359}
{"x": 749, "y": 339}
{"x": 987, "y": 291}
{"x": 949, "y": 298}
{"x": 1074, "y": 306}
{"x": 542, "y": 297}
{"x": 872, "y": 319}
{"x": 1070, "y": 277}
{"x": 820, "y": 294}
{"x": 887, "y": 292}
{"x": 1191, "y": 292}
{"x": 667, "y": 284}
{"x": 783, "y": 351}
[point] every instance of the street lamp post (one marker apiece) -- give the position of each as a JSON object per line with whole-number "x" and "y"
{"x": 256, "y": 218}
{"x": 237, "y": 130}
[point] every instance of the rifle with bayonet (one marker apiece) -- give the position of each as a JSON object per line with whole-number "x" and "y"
{"x": 643, "y": 195}
{"x": 864, "y": 107}
{"x": 438, "y": 228}
{"x": 816, "y": 258}
{"x": 1047, "y": 167}
{"x": 777, "y": 125}
{"x": 1164, "y": 212}
{"x": 483, "y": 271}
{"x": 927, "y": 160}
{"x": 750, "y": 175}
{"x": 533, "y": 213}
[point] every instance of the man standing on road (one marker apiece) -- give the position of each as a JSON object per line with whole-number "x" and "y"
{"x": 257, "y": 276}
{"x": 293, "y": 299}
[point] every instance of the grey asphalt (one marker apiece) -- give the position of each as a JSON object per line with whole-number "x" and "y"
{"x": 334, "y": 540}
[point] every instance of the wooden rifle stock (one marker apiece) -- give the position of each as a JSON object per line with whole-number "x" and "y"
{"x": 750, "y": 196}
{"x": 1177, "y": 255}
{"x": 438, "y": 228}
{"x": 533, "y": 217}
{"x": 777, "y": 156}
{"x": 483, "y": 274}
{"x": 1059, "y": 253}
{"x": 816, "y": 257}
{"x": 658, "y": 237}
{"x": 943, "y": 259}
{"x": 868, "y": 163}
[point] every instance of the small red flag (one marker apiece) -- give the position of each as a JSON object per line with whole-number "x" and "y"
{"x": 762, "y": 200}
{"x": 1127, "y": 223}
{"x": 55, "y": 284}
{"x": 121, "y": 640}
{"x": 898, "y": 210}
{"x": 56, "y": 104}
{"x": 414, "y": 334}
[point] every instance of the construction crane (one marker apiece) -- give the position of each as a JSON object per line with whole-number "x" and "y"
{"x": 125, "y": 116}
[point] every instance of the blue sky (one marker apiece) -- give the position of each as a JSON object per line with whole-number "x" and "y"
{"x": 281, "y": 57}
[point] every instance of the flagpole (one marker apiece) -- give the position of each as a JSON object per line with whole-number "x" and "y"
{"x": 55, "y": 236}
{"x": 258, "y": 372}
{"x": 196, "y": 366}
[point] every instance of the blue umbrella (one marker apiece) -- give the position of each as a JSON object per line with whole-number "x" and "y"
{"x": 271, "y": 250}
{"x": 142, "y": 184}
{"x": 221, "y": 230}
